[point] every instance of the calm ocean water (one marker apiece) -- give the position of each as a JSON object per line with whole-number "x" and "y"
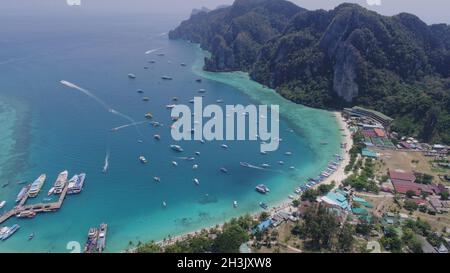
{"x": 47, "y": 128}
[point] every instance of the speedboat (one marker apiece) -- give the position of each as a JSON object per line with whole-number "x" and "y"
{"x": 51, "y": 191}
{"x": 157, "y": 179}
{"x": 197, "y": 153}
{"x": 157, "y": 137}
{"x": 145, "y": 99}
{"x": 170, "y": 106}
{"x": 223, "y": 170}
{"x": 140, "y": 91}
{"x": 235, "y": 204}
{"x": 265, "y": 165}
{"x": 148, "y": 115}
{"x": 195, "y": 166}
{"x": 288, "y": 153}
{"x": 143, "y": 159}
{"x": 2, "y": 204}
{"x": 196, "y": 181}
{"x": 131, "y": 76}
{"x": 174, "y": 163}
{"x": 224, "y": 146}
{"x": 202, "y": 90}
{"x": 281, "y": 162}
{"x": 30, "y": 237}
{"x": 164, "y": 204}
{"x": 166, "y": 78}
{"x": 26, "y": 214}
{"x": 176, "y": 148}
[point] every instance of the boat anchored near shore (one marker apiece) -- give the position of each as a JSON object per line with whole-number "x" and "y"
{"x": 36, "y": 186}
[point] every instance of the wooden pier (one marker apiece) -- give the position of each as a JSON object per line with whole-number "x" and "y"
{"x": 37, "y": 208}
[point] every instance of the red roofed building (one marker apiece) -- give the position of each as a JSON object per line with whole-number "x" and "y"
{"x": 404, "y": 182}
{"x": 402, "y": 176}
{"x": 379, "y": 132}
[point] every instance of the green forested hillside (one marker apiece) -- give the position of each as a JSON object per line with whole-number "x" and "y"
{"x": 330, "y": 59}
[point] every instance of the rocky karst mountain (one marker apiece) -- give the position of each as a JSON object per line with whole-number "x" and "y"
{"x": 346, "y": 56}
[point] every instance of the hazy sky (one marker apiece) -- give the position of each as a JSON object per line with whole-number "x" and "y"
{"x": 431, "y": 11}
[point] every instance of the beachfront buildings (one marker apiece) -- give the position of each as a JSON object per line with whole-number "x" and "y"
{"x": 379, "y": 120}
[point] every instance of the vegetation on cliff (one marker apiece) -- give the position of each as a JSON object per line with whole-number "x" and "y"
{"x": 347, "y": 56}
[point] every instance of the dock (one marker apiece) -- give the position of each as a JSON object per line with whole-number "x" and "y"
{"x": 37, "y": 208}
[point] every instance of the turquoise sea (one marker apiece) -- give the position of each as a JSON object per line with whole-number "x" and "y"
{"x": 47, "y": 128}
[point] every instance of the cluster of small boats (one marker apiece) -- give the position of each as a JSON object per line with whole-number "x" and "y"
{"x": 96, "y": 241}
{"x": 332, "y": 167}
{"x": 75, "y": 185}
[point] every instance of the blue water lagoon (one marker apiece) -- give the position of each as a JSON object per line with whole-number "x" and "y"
{"x": 48, "y": 127}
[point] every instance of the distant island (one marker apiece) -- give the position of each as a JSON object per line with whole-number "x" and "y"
{"x": 333, "y": 59}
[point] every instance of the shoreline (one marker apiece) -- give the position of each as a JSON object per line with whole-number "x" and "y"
{"x": 284, "y": 205}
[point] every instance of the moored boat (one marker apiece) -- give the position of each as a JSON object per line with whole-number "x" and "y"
{"x": 91, "y": 243}
{"x": 143, "y": 159}
{"x": 51, "y": 191}
{"x": 101, "y": 242}
{"x": 26, "y": 214}
{"x": 196, "y": 181}
{"x": 61, "y": 182}
{"x": 23, "y": 192}
{"x": 76, "y": 183}
{"x": 261, "y": 188}
{"x": 263, "y": 205}
{"x": 36, "y": 186}
{"x": 8, "y": 232}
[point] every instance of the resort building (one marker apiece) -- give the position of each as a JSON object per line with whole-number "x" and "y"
{"x": 380, "y": 118}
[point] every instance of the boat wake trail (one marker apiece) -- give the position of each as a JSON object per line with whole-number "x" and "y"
{"x": 152, "y": 50}
{"x": 87, "y": 93}
{"x": 101, "y": 102}
{"x": 106, "y": 166}
{"x": 250, "y": 166}
{"x": 127, "y": 125}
